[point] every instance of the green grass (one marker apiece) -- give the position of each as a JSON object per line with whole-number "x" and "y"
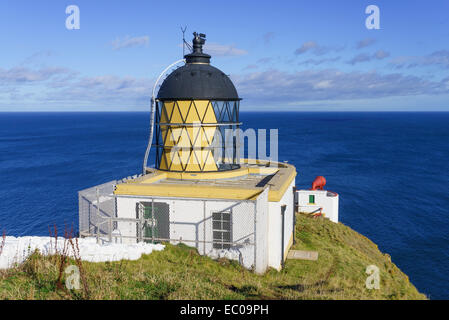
{"x": 179, "y": 272}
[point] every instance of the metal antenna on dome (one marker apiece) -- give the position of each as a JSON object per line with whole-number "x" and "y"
{"x": 184, "y": 42}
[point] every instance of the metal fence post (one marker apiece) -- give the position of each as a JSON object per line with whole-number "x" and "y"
{"x": 110, "y": 229}
{"x": 283, "y": 208}
{"x": 98, "y": 214}
{"x": 255, "y": 235}
{"x": 204, "y": 227}
{"x": 153, "y": 220}
{"x": 295, "y": 201}
{"x": 140, "y": 223}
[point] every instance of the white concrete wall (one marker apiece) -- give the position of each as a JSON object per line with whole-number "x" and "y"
{"x": 191, "y": 219}
{"x": 126, "y": 208}
{"x": 327, "y": 200}
{"x": 275, "y": 227}
{"x": 242, "y": 230}
{"x": 261, "y": 250}
{"x": 186, "y": 221}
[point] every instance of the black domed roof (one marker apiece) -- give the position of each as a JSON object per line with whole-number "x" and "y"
{"x": 197, "y": 79}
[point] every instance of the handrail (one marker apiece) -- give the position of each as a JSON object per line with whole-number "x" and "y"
{"x": 153, "y": 104}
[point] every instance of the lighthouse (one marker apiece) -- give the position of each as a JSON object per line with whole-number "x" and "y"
{"x": 200, "y": 191}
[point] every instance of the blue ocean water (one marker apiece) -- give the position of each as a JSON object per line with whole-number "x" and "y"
{"x": 390, "y": 169}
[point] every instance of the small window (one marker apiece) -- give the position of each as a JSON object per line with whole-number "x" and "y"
{"x": 312, "y": 199}
{"x": 221, "y": 228}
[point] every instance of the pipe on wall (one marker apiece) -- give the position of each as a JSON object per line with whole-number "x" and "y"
{"x": 295, "y": 209}
{"x": 283, "y": 208}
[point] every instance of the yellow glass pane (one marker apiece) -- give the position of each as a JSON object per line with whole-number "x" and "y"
{"x": 208, "y": 161}
{"x": 201, "y": 106}
{"x": 163, "y": 165}
{"x": 176, "y": 116}
{"x": 192, "y": 163}
{"x": 166, "y": 111}
{"x": 184, "y": 106}
{"x": 209, "y": 115}
{"x": 164, "y": 131}
{"x": 193, "y": 136}
{"x": 168, "y": 137}
{"x": 176, "y": 162}
{"x": 175, "y": 135}
{"x": 201, "y": 139}
{"x": 208, "y": 135}
{"x": 193, "y": 116}
{"x": 184, "y": 139}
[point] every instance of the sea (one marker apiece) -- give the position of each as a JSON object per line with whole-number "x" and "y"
{"x": 390, "y": 169}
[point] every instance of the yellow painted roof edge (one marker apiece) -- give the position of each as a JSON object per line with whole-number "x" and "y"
{"x": 196, "y": 191}
{"x": 158, "y": 174}
{"x": 144, "y": 186}
{"x": 276, "y": 194}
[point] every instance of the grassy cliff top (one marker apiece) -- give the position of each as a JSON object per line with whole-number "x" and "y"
{"x": 178, "y": 272}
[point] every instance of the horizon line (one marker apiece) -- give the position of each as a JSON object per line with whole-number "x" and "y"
{"x": 253, "y": 111}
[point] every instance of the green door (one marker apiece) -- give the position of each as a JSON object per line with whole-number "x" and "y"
{"x": 150, "y": 230}
{"x": 158, "y": 221}
{"x": 311, "y": 199}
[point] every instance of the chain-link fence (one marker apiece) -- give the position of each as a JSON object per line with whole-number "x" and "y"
{"x": 97, "y": 208}
{"x": 218, "y": 228}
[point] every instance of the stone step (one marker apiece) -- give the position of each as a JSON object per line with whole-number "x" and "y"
{"x": 302, "y": 255}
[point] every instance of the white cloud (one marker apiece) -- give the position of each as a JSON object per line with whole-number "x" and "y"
{"x": 27, "y": 75}
{"x": 130, "y": 42}
{"x": 323, "y": 84}
{"x": 364, "y": 57}
{"x": 251, "y": 66}
{"x": 307, "y": 46}
{"x": 37, "y": 57}
{"x": 365, "y": 43}
{"x": 381, "y": 54}
{"x": 276, "y": 86}
{"x": 316, "y": 49}
{"x": 317, "y": 62}
{"x": 267, "y": 37}
{"x": 220, "y": 50}
{"x": 265, "y": 60}
{"x": 104, "y": 90}
{"x": 437, "y": 58}
{"x": 55, "y": 87}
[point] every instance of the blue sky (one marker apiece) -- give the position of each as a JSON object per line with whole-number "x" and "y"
{"x": 281, "y": 55}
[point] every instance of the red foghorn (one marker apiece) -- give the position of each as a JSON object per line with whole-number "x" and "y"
{"x": 319, "y": 183}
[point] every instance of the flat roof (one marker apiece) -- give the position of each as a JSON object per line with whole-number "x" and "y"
{"x": 245, "y": 183}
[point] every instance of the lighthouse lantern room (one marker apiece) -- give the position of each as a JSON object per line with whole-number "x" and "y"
{"x": 196, "y": 104}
